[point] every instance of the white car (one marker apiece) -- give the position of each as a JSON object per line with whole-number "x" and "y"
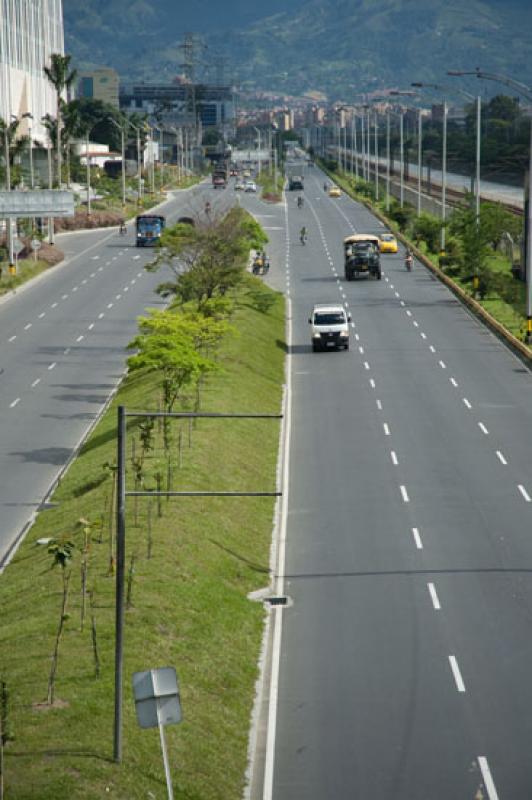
{"x": 329, "y": 327}
{"x": 239, "y": 186}
{"x": 250, "y": 186}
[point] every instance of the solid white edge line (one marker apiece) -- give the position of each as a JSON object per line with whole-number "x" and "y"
{"x": 434, "y": 596}
{"x": 278, "y": 612}
{"x": 486, "y": 777}
{"x": 460, "y": 685}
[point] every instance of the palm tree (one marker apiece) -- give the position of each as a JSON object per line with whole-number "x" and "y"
{"x": 11, "y": 145}
{"x": 61, "y": 77}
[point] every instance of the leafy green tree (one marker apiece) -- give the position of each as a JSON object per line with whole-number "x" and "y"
{"x": 167, "y": 345}
{"x": 208, "y": 261}
{"x": 61, "y": 77}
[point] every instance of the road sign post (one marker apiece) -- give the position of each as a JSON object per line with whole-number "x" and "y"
{"x": 157, "y": 704}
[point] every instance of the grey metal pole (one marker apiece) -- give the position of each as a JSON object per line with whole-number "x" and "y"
{"x": 88, "y": 165}
{"x": 363, "y": 135}
{"x": 345, "y": 148}
{"x": 368, "y": 146}
{"x": 387, "y": 160}
{"x": 479, "y": 135}
{"x": 419, "y": 159}
{"x": 528, "y": 335}
{"x": 51, "y": 231}
{"x": 444, "y": 178}
{"x": 356, "y": 149}
{"x": 9, "y": 226}
{"x": 32, "y": 171}
{"x": 139, "y": 167}
{"x": 402, "y": 158}
{"x": 120, "y": 574}
{"x": 376, "y": 158}
{"x": 123, "y": 148}
{"x": 165, "y": 761}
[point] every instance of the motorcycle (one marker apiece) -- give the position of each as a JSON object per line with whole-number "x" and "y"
{"x": 300, "y": 202}
{"x": 409, "y": 262}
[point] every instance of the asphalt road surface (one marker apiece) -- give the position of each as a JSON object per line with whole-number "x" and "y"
{"x": 405, "y": 666}
{"x": 62, "y": 353}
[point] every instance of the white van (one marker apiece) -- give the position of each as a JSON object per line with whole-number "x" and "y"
{"x": 329, "y": 327}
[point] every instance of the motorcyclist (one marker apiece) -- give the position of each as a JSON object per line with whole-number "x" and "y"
{"x": 300, "y": 202}
{"x": 303, "y": 235}
{"x": 409, "y": 258}
{"x": 122, "y": 228}
{"x": 325, "y": 186}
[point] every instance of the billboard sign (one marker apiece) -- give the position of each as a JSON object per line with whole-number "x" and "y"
{"x": 38, "y": 203}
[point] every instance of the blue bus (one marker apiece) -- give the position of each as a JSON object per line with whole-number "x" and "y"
{"x": 149, "y": 229}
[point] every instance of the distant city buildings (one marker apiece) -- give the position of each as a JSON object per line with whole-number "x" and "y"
{"x": 179, "y": 102}
{"x": 101, "y": 83}
{"x": 30, "y": 31}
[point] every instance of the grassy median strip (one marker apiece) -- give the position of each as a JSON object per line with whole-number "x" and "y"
{"x": 190, "y": 566}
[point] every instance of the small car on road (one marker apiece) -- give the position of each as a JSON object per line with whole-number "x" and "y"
{"x": 250, "y": 186}
{"x": 388, "y": 243}
{"x": 239, "y": 185}
{"x": 334, "y": 191}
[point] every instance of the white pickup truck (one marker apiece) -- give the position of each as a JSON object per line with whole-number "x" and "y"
{"x": 329, "y": 327}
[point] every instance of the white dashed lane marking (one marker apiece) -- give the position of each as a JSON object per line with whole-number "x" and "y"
{"x": 457, "y": 674}
{"x": 404, "y": 494}
{"x": 483, "y": 428}
{"x": 14, "y": 403}
{"x": 417, "y": 538}
{"x": 80, "y": 338}
{"x": 501, "y": 458}
{"x": 434, "y": 596}
{"x": 524, "y": 493}
{"x": 486, "y": 777}
{"x": 12, "y": 338}
{"x": 52, "y": 365}
{"x": 35, "y": 383}
{"x": 466, "y": 402}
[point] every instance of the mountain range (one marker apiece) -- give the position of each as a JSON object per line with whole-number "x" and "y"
{"x": 336, "y": 47}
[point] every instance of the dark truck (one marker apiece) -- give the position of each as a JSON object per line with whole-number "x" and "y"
{"x": 219, "y": 176}
{"x": 362, "y": 256}
{"x": 295, "y": 183}
{"x": 149, "y": 228}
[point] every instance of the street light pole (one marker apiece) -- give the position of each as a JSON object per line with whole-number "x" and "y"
{"x": 387, "y": 160}
{"x": 354, "y": 128}
{"x": 419, "y": 158}
{"x": 363, "y": 137}
{"x": 88, "y": 165}
{"x": 259, "y": 151}
{"x": 402, "y": 157}
{"x": 376, "y": 157}
{"x": 444, "y": 178}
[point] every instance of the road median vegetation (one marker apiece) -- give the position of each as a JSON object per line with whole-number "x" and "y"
{"x": 190, "y": 562}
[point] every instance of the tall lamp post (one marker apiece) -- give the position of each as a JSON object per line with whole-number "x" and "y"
{"x": 525, "y": 91}
{"x": 123, "y": 151}
{"x": 259, "y": 150}
{"x": 436, "y": 86}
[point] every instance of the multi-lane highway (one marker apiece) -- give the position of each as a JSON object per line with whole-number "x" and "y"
{"x": 62, "y": 353}
{"x": 401, "y": 666}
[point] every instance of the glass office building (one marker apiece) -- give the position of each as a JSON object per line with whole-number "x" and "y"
{"x": 30, "y": 31}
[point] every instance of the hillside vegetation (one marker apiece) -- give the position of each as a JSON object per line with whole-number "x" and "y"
{"x": 336, "y": 46}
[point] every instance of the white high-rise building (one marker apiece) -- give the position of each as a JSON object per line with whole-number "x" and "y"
{"x": 30, "y": 31}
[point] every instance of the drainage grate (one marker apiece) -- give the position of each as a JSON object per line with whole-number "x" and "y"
{"x": 277, "y": 601}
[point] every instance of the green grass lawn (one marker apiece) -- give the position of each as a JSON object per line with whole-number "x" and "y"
{"x": 189, "y": 606}
{"x": 26, "y": 270}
